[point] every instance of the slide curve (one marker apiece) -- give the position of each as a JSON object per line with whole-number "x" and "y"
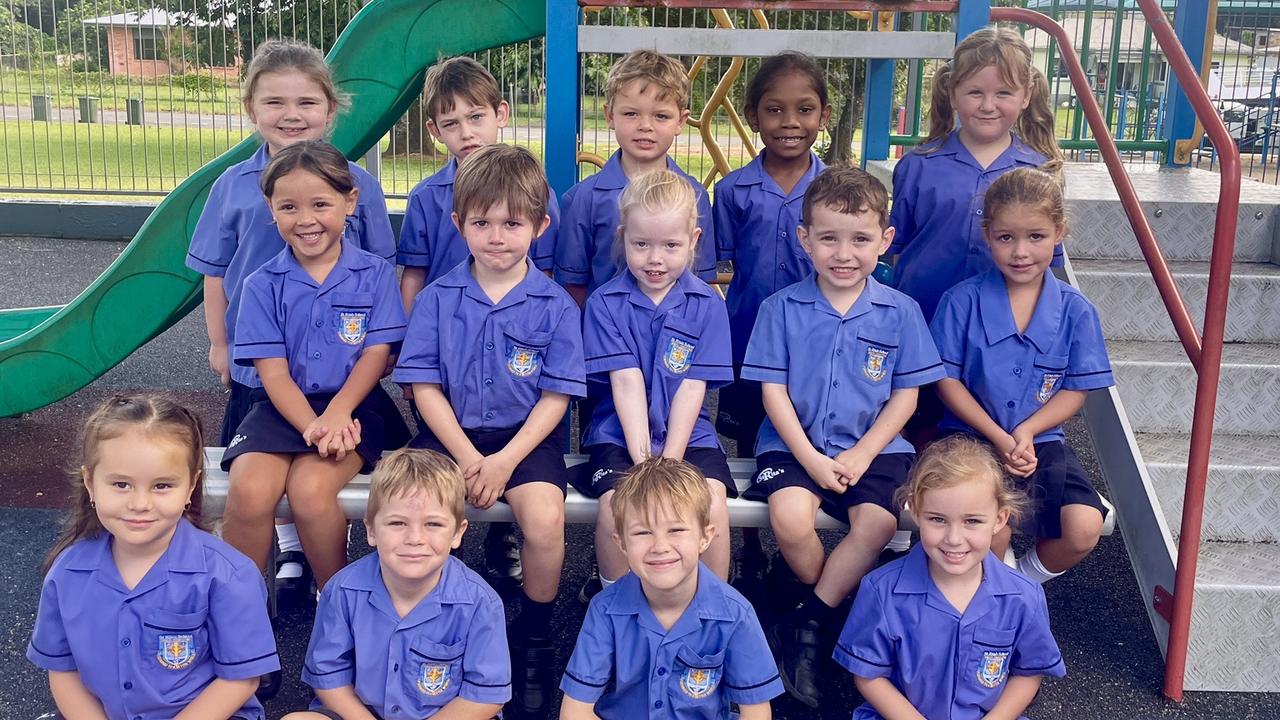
{"x": 379, "y": 61}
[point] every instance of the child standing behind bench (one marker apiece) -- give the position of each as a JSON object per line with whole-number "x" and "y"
{"x": 493, "y": 351}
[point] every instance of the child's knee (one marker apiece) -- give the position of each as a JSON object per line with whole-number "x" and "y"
{"x": 871, "y": 524}
{"x": 790, "y": 522}
{"x": 1081, "y": 528}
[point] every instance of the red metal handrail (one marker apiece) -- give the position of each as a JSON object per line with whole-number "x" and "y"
{"x": 1204, "y": 352}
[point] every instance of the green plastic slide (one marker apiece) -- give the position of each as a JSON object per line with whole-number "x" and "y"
{"x": 380, "y": 60}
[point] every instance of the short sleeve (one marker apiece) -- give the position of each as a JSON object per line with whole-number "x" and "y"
{"x": 1035, "y": 652}
{"x": 486, "y": 664}
{"x": 949, "y": 330}
{"x": 1088, "y": 367}
{"x": 712, "y": 359}
{"x": 214, "y": 241}
{"x": 258, "y": 333}
{"x": 705, "y": 261}
{"x": 750, "y": 675}
{"x": 902, "y": 213}
{"x": 767, "y": 353}
{"x": 49, "y": 648}
{"x": 413, "y": 250}
{"x": 918, "y": 363}
{"x": 376, "y": 235}
{"x": 563, "y": 369}
{"x": 722, "y": 213}
{"x": 240, "y": 634}
{"x": 386, "y": 322}
{"x": 543, "y": 251}
{"x": 573, "y": 265}
{"x": 591, "y": 665}
{"x": 420, "y": 355}
{"x": 603, "y": 344}
{"x": 331, "y": 655}
{"x": 865, "y": 647}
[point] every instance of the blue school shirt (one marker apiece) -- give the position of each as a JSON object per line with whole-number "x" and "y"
{"x": 236, "y": 235}
{"x": 198, "y": 614}
{"x": 687, "y": 336}
{"x": 756, "y": 228}
{"x": 320, "y": 328}
{"x": 839, "y": 371}
{"x": 492, "y": 360}
{"x": 937, "y": 216}
{"x": 452, "y": 644}
{"x": 1013, "y": 374}
{"x": 946, "y": 664}
{"x": 587, "y": 247}
{"x": 713, "y": 655}
{"x": 429, "y": 239}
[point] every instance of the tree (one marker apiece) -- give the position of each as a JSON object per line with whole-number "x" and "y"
{"x": 318, "y": 22}
{"x": 73, "y": 37}
{"x": 20, "y": 39}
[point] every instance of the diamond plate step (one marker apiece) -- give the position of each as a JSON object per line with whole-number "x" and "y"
{"x": 1131, "y": 308}
{"x": 1157, "y": 385}
{"x": 1242, "y": 501}
{"x": 1235, "y": 619}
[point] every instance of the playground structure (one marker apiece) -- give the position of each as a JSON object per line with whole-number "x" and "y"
{"x": 49, "y": 353}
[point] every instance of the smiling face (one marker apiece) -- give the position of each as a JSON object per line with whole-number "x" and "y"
{"x": 986, "y": 107}
{"x": 1022, "y": 239}
{"x": 844, "y": 247}
{"x": 956, "y": 525}
{"x": 658, "y": 248}
{"x": 311, "y": 215}
{"x": 468, "y": 127}
{"x": 663, "y": 549}
{"x": 140, "y": 487}
{"x": 289, "y": 106}
{"x": 789, "y": 116}
{"x": 644, "y": 124}
{"x": 413, "y": 535}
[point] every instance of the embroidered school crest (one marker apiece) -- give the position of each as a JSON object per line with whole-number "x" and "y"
{"x": 873, "y": 365}
{"x": 352, "y": 327}
{"x": 433, "y": 678}
{"x": 994, "y": 668}
{"x": 522, "y": 361}
{"x": 698, "y": 683}
{"x": 176, "y": 651}
{"x": 677, "y": 356}
{"x": 1047, "y": 387}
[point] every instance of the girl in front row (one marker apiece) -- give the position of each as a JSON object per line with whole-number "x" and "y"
{"x": 143, "y": 614}
{"x": 659, "y": 337}
{"x": 317, "y": 323}
{"x": 949, "y": 630}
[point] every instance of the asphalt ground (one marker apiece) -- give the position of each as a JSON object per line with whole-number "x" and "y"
{"x": 1114, "y": 665}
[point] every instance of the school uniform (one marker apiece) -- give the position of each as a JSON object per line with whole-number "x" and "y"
{"x": 199, "y": 613}
{"x": 493, "y": 361}
{"x": 1012, "y": 375}
{"x": 938, "y": 193}
{"x": 685, "y": 336}
{"x": 755, "y": 224}
{"x": 429, "y": 239}
{"x": 947, "y": 664}
{"x": 630, "y": 667}
{"x": 839, "y": 372}
{"x": 452, "y": 644}
{"x": 321, "y": 329}
{"x": 236, "y": 235}
{"x": 586, "y": 251}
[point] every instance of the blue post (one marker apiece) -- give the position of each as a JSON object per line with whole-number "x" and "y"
{"x": 1191, "y": 23}
{"x": 972, "y": 15}
{"x": 561, "y": 133}
{"x": 877, "y": 110}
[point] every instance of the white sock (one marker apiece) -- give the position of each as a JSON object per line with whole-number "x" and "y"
{"x": 1031, "y": 566}
{"x": 1009, "y": 558}
{"x": 604, "y": 582}
{"x": 287, "y": 537}
{"x": 901, "y": 541}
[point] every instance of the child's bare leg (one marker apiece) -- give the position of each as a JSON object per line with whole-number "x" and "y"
{"x": 716, "y": 556}
{"x": 609, "y": 557}
{"x": 257, "y": 480}
{"x": 793, "y": 513}
{"x": 539, "y": 510}
{"x": 1081, "y": 529}
{"x": 312, "y": 488}
{"x": 870, "y": 528}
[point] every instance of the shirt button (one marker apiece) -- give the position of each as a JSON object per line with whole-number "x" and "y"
{"x": 831, "y": 416}
{"x": 979, "y": 211}
{"x": 662, "y": 671}
{"x": 125, "y": 642}
{"x": 128, "y": 686}
{"x": 316, "y": 354}
{"x": 658, "y": 704}
{"x": 1017, "y": 371}
{"x": 395, "y": 668}
{"x": 1009, "y": 404}
{"x": 319, "y": 322}
{"x": 315, "y": 386}
{"x": 784, "y": 233}
{"x": 782, "y": 266}
{"x": 395, "y": 708}
{"x": 839, "y": 351}
{"x": 488, "y": 381}
{"x": 835, "y": 383}
{"x": 488, "y": 346}
{"x": 488, "y": 415}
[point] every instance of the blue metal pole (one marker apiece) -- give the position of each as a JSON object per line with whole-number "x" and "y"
{"x": 877, "y": 110}
{"x": 972, "y": 15}
{"x": 561, "y": 132}
{"x": 1191, "y": 24}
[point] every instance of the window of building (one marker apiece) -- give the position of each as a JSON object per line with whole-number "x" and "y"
{"x": 147, "y": 43}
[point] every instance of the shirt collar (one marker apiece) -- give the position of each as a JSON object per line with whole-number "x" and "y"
{"x": 534, "y": 284}
{"x": 367, "y": 577}
{"x": 613, "y": 177}
{"x": 753, "y": 173}
{"x": 684, "y": 286}
{"x": 1018, "y": 153}
{"x": 709, "y": 603}
{"x": 185, "y": 554}
{"x": 445, "y": 175}
{"x": 997, "y": 313}
{"x": 873, "y": 294}
{"x": 914, "y": 579}
{"x": 257, "y": 161}
{"x": 349, "y": 261}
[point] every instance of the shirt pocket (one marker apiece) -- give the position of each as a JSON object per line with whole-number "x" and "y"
{"x": 432, "y": 674}
{"x": 526, "y": 351}
{"x": 677, "y": 342}
{"x": 875, "y": 353}
{"x": 350, "y": 317}
{"x": 1049, "y": 371}
{"x": 992, "y": 652}
{"x": 694, "y": 690}
{"x": 174, "y": 646}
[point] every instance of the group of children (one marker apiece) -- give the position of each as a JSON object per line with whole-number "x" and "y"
{"x": 508, "y": 308}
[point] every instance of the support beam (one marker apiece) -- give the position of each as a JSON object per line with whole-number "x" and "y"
{"x": 561, "y": 140}
{"x": 1191, "y": 24}
{"x": 762, "y": 43}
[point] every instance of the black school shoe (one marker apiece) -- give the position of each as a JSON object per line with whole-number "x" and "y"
{"x": 797, "y": 648}
{"x": 293, "y": 592}
{"x": 502, "y": 560}
{"x": 268, "y": 686}
{"x": 533, "y": 680}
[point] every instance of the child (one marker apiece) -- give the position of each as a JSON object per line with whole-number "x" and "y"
{"x": 143, "y": 614}
{"x": 990, "y": 113}
{"x": 839, "y": 357}
{"x": 289, "y": 96}
{"x": 1022, "y": 350}
{"x": 317, "y": 324}
{"x": 670, "y": 636}
{"x": 494, "y": 351}
{"x": 949, "y": 631}
{"x": 646, "y": 106}
{"x": 757, "y": 211}
{"x": 409, "y": 631}
{"x": 660, "y": 338}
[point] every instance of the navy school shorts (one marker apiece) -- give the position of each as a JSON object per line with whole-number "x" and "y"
{"x": 545, "y": 463}
{"x": 238, "y": 403}
{"x": 740, "y": 413}
{"x": 607, "y": 462}
{"x": 777, "y": 470}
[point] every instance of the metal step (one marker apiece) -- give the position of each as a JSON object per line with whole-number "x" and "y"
{"x": 1131, "y": 308}
{"x": 1235, "y": 619}
{"x": 1157, "y": 384}
{"x": 1242, "y": 503}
